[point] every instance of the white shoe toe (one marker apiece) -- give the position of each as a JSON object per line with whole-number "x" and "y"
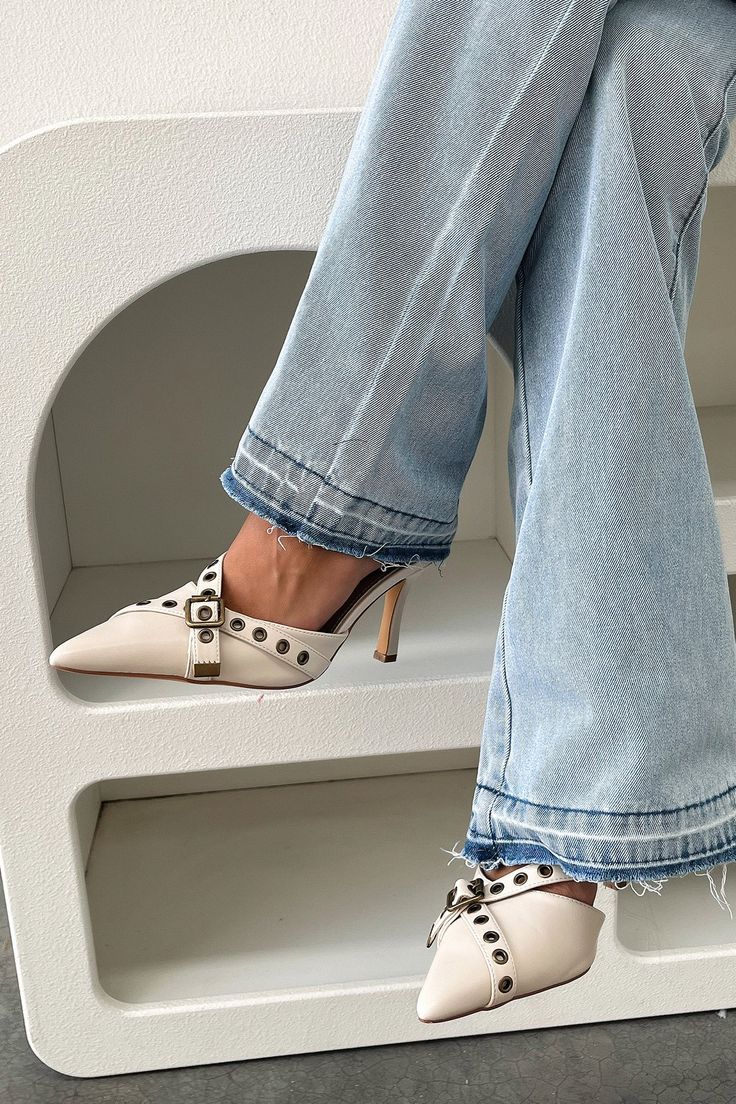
{"x": 458, "y": 981}
{"x": 137, "y": 644}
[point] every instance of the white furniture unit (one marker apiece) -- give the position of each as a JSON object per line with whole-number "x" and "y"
{"x": 169, "y": 851}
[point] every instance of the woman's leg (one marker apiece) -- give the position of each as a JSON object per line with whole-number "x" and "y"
{"x": 610, "y": 736}
{"x": 364, "y": 434}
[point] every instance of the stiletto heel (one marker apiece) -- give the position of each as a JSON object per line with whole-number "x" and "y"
{"x": 387, "y": 645}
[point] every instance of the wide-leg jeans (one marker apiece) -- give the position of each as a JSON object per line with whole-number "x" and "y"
{"x": 537, "y": 170}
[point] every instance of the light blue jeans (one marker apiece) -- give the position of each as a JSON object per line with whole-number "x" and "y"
{"x": 536, "y": 169}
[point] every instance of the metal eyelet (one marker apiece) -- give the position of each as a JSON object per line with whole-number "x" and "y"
{"x": 208, "y": 591}
{"x": 491, "y": 936}
{"x": 505, "y": 984}
{"x": 500, "y": 956}
{"x": 483, "y": 919}
{"x": 169, "y": 603}
{"x": 473, "y": 908}
{"x": 204, "y": 613}
{"x": 237, "y": 624}
{"x": 206, "y": 636}
{"x": 145, "y": 602}
{"x": 519, "y": 879}
{"x": 259, "y": 634}
{"x": 544, "y": 871}
{"x": 497, "y": 887}
{"x": 282, "y": 646}
{"x": 302, "y": 658}
{"x": 209, "y": 576}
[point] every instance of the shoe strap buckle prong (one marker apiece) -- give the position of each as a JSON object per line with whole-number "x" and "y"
{"x": 477, "y": 889}
{"x": 204, "y": 611}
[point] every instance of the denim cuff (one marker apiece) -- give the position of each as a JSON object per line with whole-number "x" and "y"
{"x": 594, "y": 845}
{"x": 305, "y": 504}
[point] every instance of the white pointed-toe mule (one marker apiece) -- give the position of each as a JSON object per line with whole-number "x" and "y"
{"x": 505, "y": 938}
{"x": 190, "y": 635}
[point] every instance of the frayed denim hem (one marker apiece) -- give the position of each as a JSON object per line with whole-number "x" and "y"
{"x": 309, "y": 532}
{"x": 640, "y": 879}
{"x": 596, "y": 845}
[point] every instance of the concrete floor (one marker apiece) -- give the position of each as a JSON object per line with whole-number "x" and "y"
{"x": 672, "y": 1060}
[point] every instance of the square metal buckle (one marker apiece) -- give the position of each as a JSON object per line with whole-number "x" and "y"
{"x": 476, "y": 888}
{"x": 211, "y": 602}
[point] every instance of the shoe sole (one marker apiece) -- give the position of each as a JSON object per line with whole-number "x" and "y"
{"x": 533, "y": 993}
{"x": 180, "y": 678}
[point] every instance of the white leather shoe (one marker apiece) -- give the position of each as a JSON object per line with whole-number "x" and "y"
{"x": 497, "y": 942}
{"x": 189, "y": 634}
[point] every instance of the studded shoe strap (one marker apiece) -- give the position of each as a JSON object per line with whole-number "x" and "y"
{"x": 297, "y": 647}
{"x": 469, "y": 892}
{"x": 469, "y": 902}
{"x": 530, "y": 876}
{"x": 494, "y": 946}
{"x": 207, "y": 617}
{"x": 205, "y": 614}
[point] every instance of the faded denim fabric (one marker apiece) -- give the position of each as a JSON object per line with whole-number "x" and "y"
{"x": 536, "y": 169}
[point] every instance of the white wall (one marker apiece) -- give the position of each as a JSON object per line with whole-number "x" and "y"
{"x": 70, "y": 59}
{"x": 67, "y": 59}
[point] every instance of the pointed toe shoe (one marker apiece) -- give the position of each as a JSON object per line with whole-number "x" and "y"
{"x": 505, "y": 938}
{"x": 189, "y": 634}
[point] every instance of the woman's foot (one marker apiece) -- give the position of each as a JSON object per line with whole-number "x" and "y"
{"x": 506, "y": 934}
{"x": 192, "y": 633}
{"x": 270, "y": 575}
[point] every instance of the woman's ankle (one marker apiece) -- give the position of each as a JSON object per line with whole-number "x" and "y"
{"x": 271, "y": 575}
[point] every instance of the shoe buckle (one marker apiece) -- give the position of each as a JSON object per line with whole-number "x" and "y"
{"x": 204, "y": 611}
{"x": 477, "y": 889}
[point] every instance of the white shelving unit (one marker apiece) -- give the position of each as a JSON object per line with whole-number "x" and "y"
{"x": 201, "y": 874}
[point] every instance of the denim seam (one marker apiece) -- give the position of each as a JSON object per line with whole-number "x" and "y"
{"x": 637, "y": 838}
{"x": 507, "y": 702}
{"x": 606, "y": 865}
{"x": 559, "y": 29}
{"x": 701, "y": 195}
{"x": 302, "y": 521}
{"x": 348, "y": 494}
{"x": 716, "y": 126}
{"x": 344, "y": 512}
{"x": 607, "y": 812}
{"x": 521, "y": 368}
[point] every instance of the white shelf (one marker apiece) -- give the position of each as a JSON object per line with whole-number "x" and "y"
{"x": 284, "y": 890}
{"x": 682, "y": 919}
{"x": 718, "y": 428}
{"x": 122, "y": 370}
{"x": 448, "y": 630}
{"x": 277, "y": 888}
